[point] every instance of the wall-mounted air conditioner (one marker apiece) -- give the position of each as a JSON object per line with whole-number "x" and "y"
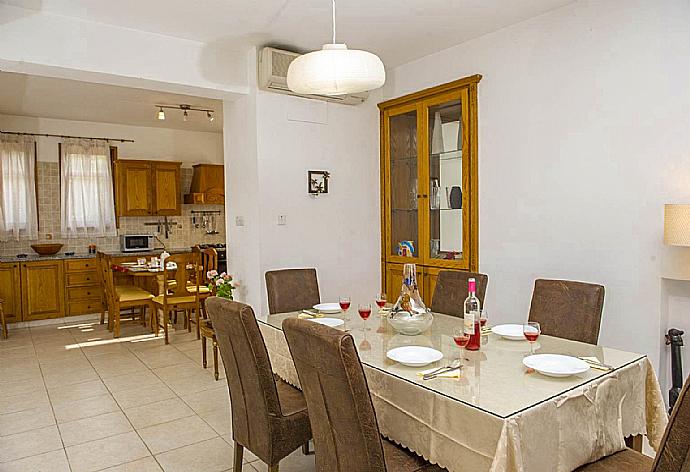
{"x": 273, "y": 67}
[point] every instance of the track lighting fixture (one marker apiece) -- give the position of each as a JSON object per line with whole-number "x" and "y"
{"x": 185, "y": 111}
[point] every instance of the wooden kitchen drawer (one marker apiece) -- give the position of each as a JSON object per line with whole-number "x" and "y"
{"x": 86, "y": 292}
{"x": 80, "y": 264}
{"x": 83, "y": 307}
{"x": 89, "y": 277}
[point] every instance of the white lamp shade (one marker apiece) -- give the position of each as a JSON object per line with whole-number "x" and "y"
{"x": 335, "y": 70}
{"x": 677, "y": 225}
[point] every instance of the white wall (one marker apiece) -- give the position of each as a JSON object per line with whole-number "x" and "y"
{"x": 338, "y": 233}
{"x": 584, "y": 115}
{"x": 189, "y": 147}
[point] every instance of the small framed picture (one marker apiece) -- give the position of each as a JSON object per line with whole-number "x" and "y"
{"x": 318, "y": 181}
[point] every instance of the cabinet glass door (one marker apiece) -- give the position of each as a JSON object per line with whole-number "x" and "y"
{"x": 403, "y": 182}
{"x": 448, "y": 181}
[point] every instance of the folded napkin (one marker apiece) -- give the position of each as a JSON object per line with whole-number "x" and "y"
{"x": 306, "y": 314}
{"x": 453, "y": 374}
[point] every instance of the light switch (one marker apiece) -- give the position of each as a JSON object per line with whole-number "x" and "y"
{"x": 239, "y": 221}
{"x": 282, "y": 220}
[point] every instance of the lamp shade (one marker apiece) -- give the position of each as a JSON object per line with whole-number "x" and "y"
{"x": 677, "y": 225}
{"x": 335, "y": 70}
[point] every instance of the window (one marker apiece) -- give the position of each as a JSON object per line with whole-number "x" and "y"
{"x": 18, "y": 214}
{"x": 86, "y": 196}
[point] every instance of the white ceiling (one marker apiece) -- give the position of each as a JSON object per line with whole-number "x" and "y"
{"x": 397, "y": 30}
{"x": 46, "y": 97}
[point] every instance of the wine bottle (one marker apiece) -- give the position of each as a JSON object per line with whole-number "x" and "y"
{"x": 472, "y": 315}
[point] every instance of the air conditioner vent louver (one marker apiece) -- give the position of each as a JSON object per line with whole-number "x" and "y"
{"x": 273, "y": 67}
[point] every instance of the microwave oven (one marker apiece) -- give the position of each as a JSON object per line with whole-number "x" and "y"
{"x": 136, "y": 242}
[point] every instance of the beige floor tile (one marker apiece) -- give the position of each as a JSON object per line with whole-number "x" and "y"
{"x": 209, "y": 400}
{"x": 144, "y": 395}
{"x": 96, "y": 427}
{"x": 29, "y": 443}
{"x": 130, "y": 381}
{"x": 80, "y": 391}
{"x": 193, "y": 383}
{"x": 17, "y": 351}
{"x": 147, "y": 464}
{"x": 12, "y": 423}
{"x": 159, "y": 412}
{"x": 92, "y": 349}
{"x": 214, "y": 455}
{"x": 84, "y": 408}
{"x": 65, "y": 365}
{"x": 24, "y": 401}
{"x": 54, "y": 461}
{"x": 65, "y": 355}
{"x": 18, "y": 374}
{"x": 108, "y": 452}
{"x": 19, "y": 387}
{"x": 177, "y": 371}
{"x": 56, "y": 379}
{"x": 247, "y": 456}
{"x": 219, "y": 420}
{"x": 295, "y": 462}
{"x": 162, "y": 357}
{"x": 178, "y": 433}
{"x": 115, "y": 369}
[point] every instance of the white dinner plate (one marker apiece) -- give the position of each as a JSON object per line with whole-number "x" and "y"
{"x": 414, "y": 356}
{"x": 328, "y": 307}
{"x": 509, "y": 331}
{"x": 332, "y": 322}
{"x": 556, "y": 365}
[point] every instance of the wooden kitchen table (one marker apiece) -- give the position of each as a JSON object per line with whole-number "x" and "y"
{"x": 497, "y": 416}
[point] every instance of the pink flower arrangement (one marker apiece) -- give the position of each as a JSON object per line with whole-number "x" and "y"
{"x": 222, "y": 283}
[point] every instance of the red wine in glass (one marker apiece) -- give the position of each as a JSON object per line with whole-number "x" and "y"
{"x": 381, "y": 300}
{"x": 461, "y": 339}
{"x": 344, "y": 303}
{"x": 364, "y": 311}
{"x": 482, "y": 322}
{"x": 532, "y": 337}
{"x": 531, "y": 331}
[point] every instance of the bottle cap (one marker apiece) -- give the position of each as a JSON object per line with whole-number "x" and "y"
{"x": 472, "y": 285}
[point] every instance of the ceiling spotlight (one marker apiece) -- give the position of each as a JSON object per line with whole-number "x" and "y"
{"x": 185, "y": 116}
{"x": 210, "y": 116}
{"x": 161, "y": 114}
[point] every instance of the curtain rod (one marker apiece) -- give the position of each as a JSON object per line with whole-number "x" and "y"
{"x": 66, "y": 136}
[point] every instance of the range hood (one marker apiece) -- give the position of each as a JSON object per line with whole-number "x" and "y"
{"x": 208, "y": 185}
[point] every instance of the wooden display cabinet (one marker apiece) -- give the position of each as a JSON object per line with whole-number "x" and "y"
{"x": 429, "y": 183}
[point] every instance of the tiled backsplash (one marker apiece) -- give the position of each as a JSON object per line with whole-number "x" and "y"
{"x": 49, "y": 220}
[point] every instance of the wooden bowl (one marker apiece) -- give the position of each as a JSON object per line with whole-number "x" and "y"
{"x": 47, "y": 249}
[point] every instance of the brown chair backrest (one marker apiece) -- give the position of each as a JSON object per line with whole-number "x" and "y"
{"x": 343, "y": 421}
{"x": 253, "y": 393}
{"x": 568, "y": 309}
{"x": 674, "y": 450}
{"x": 292, "y": 290}
{"x": 182, "y": 275}
{"x": 451, "y": 291}
{"x": 105, "y": 278}
{"x": 209, "y": 261}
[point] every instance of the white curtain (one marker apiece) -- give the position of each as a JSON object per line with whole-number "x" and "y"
{"x": 18, "y": 213}
{"x": 86, "y": 195}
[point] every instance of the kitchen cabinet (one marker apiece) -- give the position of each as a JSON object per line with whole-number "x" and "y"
{"x": 10, "y": 291}
{"x": 145, "y": 188}
{"x": 42, "y": 289}
{"x": 429, "y": 183}
{"x": 83, "y": 292}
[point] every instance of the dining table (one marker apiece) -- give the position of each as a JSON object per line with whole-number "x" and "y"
{"x": 496, "y": 415}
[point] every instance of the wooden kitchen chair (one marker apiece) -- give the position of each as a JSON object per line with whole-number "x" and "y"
{"x": 4, "y": 322}
{"x": 122, "y": 297}
{"x": 180, "y": 296}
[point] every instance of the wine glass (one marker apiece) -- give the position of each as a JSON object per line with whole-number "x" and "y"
{"x": 483, "y": 318}
{"x": 344, "y": 303}
{"x": 531, "y": 330}
{"x": 461, "y": 339}
{"x": 364, "y": 310}
{"x": 381, "y": 300}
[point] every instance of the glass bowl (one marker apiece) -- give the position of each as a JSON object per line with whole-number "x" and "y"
{"x": 411, "y": 324}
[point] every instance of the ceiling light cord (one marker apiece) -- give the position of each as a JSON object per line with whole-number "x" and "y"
{"x": 333, "y": 21}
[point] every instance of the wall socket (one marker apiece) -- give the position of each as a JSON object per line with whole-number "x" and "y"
{"x": 239, "y": 221}
{"x": 282, "y": 220}
{"x": 49, "y": 236}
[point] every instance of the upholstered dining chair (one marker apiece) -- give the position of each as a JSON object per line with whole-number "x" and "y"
{"x": 451, "y": 291}
{"x": 674, "y": 449}
{"x": 568, "y": 309}
{"x": 2, "y": 320}
{"x": 292, "y": 290}
{"x": 269, "y": 417}
{"x": 338, "y": 399}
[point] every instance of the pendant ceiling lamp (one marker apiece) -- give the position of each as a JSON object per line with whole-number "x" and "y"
{"x": 335, "y": 70}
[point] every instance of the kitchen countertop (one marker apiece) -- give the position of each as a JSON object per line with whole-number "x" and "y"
{"x": 83, "y": 255}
